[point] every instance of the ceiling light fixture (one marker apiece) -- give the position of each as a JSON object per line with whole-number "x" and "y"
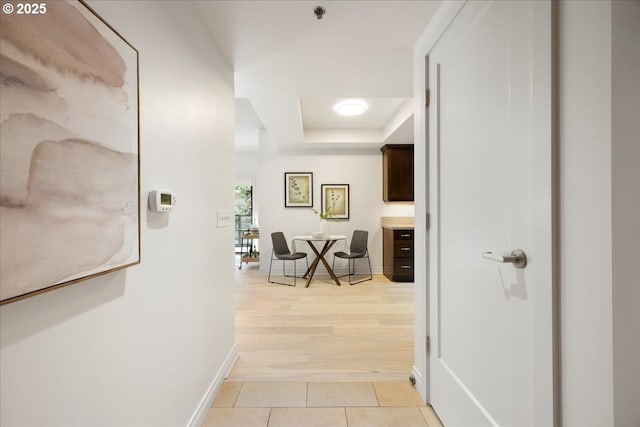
{"x": 351, "y": 107}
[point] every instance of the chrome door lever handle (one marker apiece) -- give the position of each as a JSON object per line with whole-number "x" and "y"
{"x": 517, "y": 257}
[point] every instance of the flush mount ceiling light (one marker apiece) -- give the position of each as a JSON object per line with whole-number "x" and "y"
{"x": 351, "y": 107}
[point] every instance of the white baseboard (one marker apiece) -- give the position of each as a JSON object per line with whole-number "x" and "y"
{"x": 207, "y": 400}
{"x": 420, "y": 386}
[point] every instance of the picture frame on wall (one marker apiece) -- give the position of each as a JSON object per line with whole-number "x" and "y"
{"x": 335, "y": 199}
{"x": 298, "y": 189}
{"x": 70, "y": 193}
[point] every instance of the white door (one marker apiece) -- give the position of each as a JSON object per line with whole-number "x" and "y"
{"x": 490, "y": 137}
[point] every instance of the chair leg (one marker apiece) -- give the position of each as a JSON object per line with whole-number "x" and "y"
{"x": 351, "y": 268}
{"x": 284, "y": 266}
{"x": 295, "y": 272}
{"x": 270, "y": 264}
{"x": 284, "y": 273}
{"x": 333, "y": 267}
{"x": 354, "y": 270}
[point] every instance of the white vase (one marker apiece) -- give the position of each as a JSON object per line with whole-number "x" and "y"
{"x": 324, "y": 228}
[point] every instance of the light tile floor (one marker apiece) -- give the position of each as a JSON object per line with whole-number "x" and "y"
{"x": 319, "y": 404}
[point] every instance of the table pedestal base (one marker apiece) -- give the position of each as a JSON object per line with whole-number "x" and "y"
{"x": 320, "y": 257}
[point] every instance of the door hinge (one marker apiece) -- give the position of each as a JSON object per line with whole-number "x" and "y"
{"x": 427, "y": 98}
{"x": 428, "y": 221}
{"x": 428, "y": 344}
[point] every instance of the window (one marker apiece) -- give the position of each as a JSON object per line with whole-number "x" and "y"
{"x": 244, "y": 210}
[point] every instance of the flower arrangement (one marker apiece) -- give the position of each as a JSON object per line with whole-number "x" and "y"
{"x": 328, "y": 213}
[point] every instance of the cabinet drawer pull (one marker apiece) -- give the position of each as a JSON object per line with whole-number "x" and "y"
{"x": 405, "y": 249}
{"x": 406, "y": 267}
{"x": 405, "y": 235}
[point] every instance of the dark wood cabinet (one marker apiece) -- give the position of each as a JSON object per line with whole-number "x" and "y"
{"x": 397, "y": 254}
{"x": 397, "y": 172}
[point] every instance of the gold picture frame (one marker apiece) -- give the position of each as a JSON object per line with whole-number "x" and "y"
{"x": 70, "y": 192}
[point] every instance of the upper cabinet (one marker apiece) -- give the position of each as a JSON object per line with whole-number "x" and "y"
{"x": 397, "y": 172}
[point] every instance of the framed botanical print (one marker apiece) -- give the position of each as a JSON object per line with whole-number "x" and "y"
{"x": 69, "y": 193}
{"x": 298, "y": 189}
{"x": 335, "y": 200}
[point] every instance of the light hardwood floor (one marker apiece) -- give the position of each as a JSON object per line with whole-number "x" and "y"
{"x": 354, "y": 333}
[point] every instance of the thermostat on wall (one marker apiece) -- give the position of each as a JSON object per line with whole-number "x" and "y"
{"x": 161, "y": 200}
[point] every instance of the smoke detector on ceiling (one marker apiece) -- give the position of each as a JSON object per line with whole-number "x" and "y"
{"x": 319, "y": 11}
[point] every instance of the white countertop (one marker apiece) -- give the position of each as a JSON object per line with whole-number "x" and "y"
{"x": 397, "y": 222}
{"x": 398, "y": 227}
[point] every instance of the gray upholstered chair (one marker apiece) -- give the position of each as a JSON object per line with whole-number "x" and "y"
{"x": 357, "y": 249}
{"x": 280, "y": 251}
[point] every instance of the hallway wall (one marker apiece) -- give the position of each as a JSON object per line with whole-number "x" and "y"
{"x": 599, "y": 106}
{"x": 585, "y": 213}
{"x": 626, "y": 211}
{"x": 144, "y": 345}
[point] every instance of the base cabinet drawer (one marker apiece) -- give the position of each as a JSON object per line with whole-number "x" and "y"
{"x": 403, "y": 249}
{"x": 403, "y": 270}
{"x": 397, "y": 255}
{"x": 403, "y": 235}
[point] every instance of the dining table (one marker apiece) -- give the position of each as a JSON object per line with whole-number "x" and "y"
{"x": 325, "y": 244}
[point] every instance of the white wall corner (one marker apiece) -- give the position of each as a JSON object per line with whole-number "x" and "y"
{"x": 626, "y": 211}
{"x": 584, "y": 94}
{"x": 404, "y": 113}
{"x": 202, "y": 410}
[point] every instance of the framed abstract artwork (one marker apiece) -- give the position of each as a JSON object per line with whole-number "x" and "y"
{"x": 298, "y": 189}
{"x": 335, "y": 200}
{"x": 69, "y": 149}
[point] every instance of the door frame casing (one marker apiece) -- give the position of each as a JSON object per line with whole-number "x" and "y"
{"x": 423, "y": 197}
